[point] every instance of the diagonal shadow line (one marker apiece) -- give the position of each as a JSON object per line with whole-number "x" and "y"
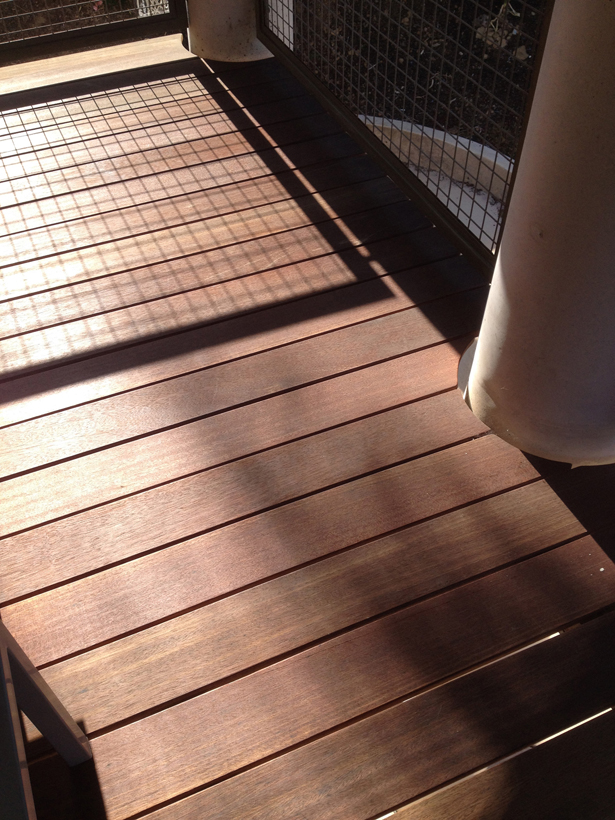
{"x": 189, "y": 338}
{"x": 588, "y": 492}
{"x": 244, "y": 123}
{"x": 61, "y": 792}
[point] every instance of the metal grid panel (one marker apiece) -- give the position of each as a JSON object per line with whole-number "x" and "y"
{"x": 26, "y": 19}
{"x": 443, "y": 83}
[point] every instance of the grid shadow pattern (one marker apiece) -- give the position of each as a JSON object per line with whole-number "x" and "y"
{"x": 142, "y": 210}
{"x": 443, "y": 83}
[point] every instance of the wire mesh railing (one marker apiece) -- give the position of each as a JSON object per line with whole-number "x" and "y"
{"x": 443, "y": 84}
{"x": 22, "y": 20}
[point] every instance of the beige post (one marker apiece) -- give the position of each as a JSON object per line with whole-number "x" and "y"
{"x": 543, "y": 375}
{"x": 224, "y": 30}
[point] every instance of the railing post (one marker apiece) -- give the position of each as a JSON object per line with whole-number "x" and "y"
{"x": 543, "y": 375}
{"x": 224, "y": 30}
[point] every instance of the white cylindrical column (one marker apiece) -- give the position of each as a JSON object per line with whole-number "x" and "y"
{"x": 543, "y": 375}
{"x": 224, "y": 30}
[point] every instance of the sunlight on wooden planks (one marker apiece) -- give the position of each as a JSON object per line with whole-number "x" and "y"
{"x": 251, "y": 533}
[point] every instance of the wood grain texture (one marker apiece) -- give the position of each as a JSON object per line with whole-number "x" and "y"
{"x": 351, "y": 773}
{"x": 25, "y": 172}
{"x": 389, "y": 499}
{"x": 395, "y": 435}
{"x": 167, "y": 456}
{"x": 200, "y": 444}
{"x": 113, "y": 122}
{"x": 201, "y": 648}
{"x": 486, "y": 534}
{"x": 71, "y": 549}
{"x": 158, "y": 173}
{"x": 254, "y": 147}
{"x": 569, "y": 777}
{"x": 183, "y": 197}
{"x": 211, "y": 285}
{"x": 159, "y": 359}
{"x": 70, "y": 494}
{"x": 195, "y": 395}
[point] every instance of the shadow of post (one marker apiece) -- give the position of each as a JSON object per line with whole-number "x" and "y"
{"x": 62, "y": 792}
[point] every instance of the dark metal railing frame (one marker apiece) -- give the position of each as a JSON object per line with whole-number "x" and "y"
{"x": 175, "y": 21}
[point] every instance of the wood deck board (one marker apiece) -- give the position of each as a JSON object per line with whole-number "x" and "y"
{"x": 210, "y": 285}
{"x": 195, "y": 206}
{"x": 25, "y": 446}
{"x": 378, "y": 762}
{"x": 209, "y": 171}
{"x": 159, "y": 664}
{"x": 140, "y": 116}
{"x": 89, "y": 179}
{"x": 335, "y": 682}
{"x": 92, "y": 63}
{"x": 245, "y": 512}
{"x": 188, "y": 80}
{"x": 91, "y": 480}
{"x": 336, "y": 527}
{"x": 168, "y": 513}
{"x": 73, "y": 156}
{"x": 155, "y": 360}
{"x": 255, "y": 216}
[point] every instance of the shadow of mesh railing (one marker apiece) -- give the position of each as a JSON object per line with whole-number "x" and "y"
{"x": 444, "y": 84}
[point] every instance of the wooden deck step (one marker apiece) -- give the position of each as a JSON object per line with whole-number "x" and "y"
{"x": 251, "y": 533}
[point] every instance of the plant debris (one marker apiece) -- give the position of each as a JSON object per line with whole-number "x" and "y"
{"x": 461, "y": 66}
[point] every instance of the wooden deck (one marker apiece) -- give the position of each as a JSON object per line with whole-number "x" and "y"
{"x": 251, "y": 533}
